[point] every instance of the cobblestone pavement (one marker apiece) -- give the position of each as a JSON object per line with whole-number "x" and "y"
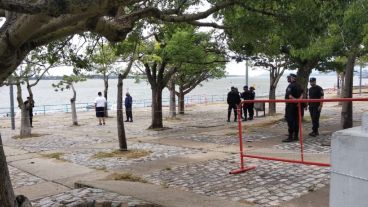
{"x": 269, "y": 184}
{"x": 20, "y": 178}
{"x": 314, "y": 145}
{"x": 158, "y": 152}
{"x": 85, "y": 195}
{"x": 224, "y": 139}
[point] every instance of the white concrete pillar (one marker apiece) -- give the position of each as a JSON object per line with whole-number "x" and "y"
{"x": 349, "y": 170}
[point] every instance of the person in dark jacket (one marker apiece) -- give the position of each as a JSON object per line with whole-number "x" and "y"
{"x": 128, "y": 107}
{"x": 251, "y": 105}
{"x": 246, "y": 95}
{"x": 233, "y": 99}
{"x": 315, "y": 92}
{"x": 293, "y": 91}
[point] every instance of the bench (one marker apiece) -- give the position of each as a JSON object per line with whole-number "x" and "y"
{"x": 260, "y": 107}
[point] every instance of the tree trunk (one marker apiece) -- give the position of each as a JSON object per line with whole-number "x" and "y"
{"x": 181, "y": 101}
{"x": 120, "y": 117}
{"x": 272, "y": 96}
{"x": 73, "y": 108}
{"x": 172, "y": 99}
{"x": 347, "y": 107}
{"x": 7, "y": 197}
{"x": 156, "y": 107}
{"x": 303, "y": 76}
{"x": 106, "y": 88}
{"x": 25, "y": 123}
{"x": 74, "y": 112}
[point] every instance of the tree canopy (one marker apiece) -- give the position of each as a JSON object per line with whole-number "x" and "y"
{"x": 30, "y": 24}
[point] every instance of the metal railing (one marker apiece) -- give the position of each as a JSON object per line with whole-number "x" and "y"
{"x": 142, "y": 103}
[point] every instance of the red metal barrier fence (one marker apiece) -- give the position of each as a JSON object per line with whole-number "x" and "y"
{"x": 244, "y": 168}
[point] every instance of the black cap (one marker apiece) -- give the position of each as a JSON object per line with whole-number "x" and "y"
{"x": 232, "y": 87}
{"x": 252, "y": 88}
{"x": 245, "y": 86}
{"x": 312, "y": 79}
{"x": 292, "y": 75}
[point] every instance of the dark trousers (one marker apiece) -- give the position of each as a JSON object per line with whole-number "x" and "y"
{"x": 248, "y": 108}
{"x": 129, "y": 114}
{"x": 292, "y": 120}
{"x": 232, "y": 107}
{"x": 30, "y": 119}
{"x": 315, "y": 114}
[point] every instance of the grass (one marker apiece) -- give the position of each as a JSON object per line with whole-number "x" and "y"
{"x": 159, "y": 129}
{"x": 231, "y": 134}
{"x": 54, "y": 155}
{"x": 164, "y": 184}
{"x": 31, "y": 136}
{"x": 127, "y": 177}
{"x": 172, "y": 119}
{"x": 130, "y": 154}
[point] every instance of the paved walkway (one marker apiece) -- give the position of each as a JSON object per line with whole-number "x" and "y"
{"x": 191, "y": 158}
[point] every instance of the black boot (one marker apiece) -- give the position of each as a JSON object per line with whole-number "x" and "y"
{"x": 290, "y": 137}
{"x": 296, "y": 136}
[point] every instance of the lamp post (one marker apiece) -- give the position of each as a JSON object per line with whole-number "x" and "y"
{"x": 360, "y": 79}
{"x": 12, "y": 105}
{"x": 246, "y": 72}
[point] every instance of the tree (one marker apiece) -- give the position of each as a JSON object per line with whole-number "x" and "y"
{"x": 189, "y": 76}
{"x": 279, "y": 29}
{"x": 35, "y": 66}
{"x": 104, "y": 59}
{"x": 276, "y": 67}
{"x": 68, "y": 83}
{"x": 127, "y": 52}
{"x": 162, "y": 57}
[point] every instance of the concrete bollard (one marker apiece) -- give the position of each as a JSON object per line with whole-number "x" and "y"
{"x": 349, "y": 166}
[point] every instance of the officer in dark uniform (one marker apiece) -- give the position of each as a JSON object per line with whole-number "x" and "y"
{"x": 286, "y": 104}
{"x": 233, "y": 99}
{"x": 251, "y": 105}
{"x": 246, "y": 95}
{"x": 315, "y": 92}
{"x": 293, "y": 91}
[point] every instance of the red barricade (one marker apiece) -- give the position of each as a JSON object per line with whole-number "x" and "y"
{"x": 244, "y": 168}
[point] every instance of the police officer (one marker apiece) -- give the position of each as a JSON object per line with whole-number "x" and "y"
{"x": 251, "y": 105}
{"x": 287, "y": 104}
{"x": 233, "y": 99}
{"x": 246, "y": 95}
{"x": 315, "y": 92}
{"x": 293, "y": 91}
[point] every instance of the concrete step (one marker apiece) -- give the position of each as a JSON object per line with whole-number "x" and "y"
{"x": 161, "y": 196}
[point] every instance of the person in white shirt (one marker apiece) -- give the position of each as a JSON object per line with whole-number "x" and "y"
{"x": 100, "y": 102}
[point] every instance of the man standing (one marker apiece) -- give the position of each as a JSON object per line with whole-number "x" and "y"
{"x": 315, "y": 92}
{"x": 246, "y": 95}
{"x": 29, "y": 104}
{"x": 233, "y": 99}
{"x": 293, "y": 91}
{"x": 100, "y": 102}
{"x": 287, "y": 88}
{"x": 251, "y": 105}
{"x": 128, "y": 107}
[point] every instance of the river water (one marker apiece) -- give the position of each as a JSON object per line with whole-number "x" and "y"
{"x": 44, "y": 93}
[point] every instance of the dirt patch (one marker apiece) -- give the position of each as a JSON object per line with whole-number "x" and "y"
{"x": 54, "y": 155}
{"x": 130, "y": 154}
{"x": 126, "y": 176}
{"x": 31, "y": 136}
